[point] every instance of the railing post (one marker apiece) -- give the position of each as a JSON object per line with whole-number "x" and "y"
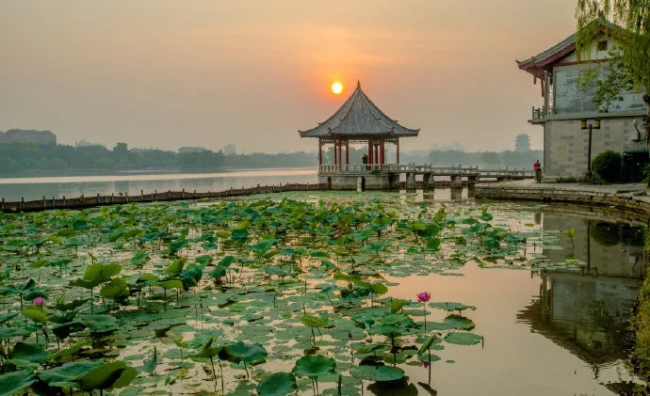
{"x": 64, "y": 205}
{"x": 126, "y": 196}
{"x": 194, "y": 194}
{"x": 53, "y": 202}
{"x": 43, "y": 201}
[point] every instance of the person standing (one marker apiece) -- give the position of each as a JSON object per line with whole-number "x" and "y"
{"x": 538, "y": 171}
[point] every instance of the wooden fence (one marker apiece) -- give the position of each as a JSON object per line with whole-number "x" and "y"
{"x": 113, "y": 199}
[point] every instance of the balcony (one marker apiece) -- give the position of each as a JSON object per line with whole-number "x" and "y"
{"x": 539, "y": 114}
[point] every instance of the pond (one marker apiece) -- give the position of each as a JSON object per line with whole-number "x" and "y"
{"x": 321, "y": 290}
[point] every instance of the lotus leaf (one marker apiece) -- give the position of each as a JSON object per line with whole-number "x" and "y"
{"x": 100, "y": 323}
{"x": 108, "y": 376}
{"x": 240, "y": 352}
{"x": 463, "y": 338}
{"x": 36, "y": 314}
{"x": 278, "y": 384}
{"x": 314, "y": 366}
{"x": 66, "y": 374}
{"x": 313, "y": 321}
{"x": 377, "y": 373}
{"x": 12, "y": 383}
{"x": 29, "y": 352}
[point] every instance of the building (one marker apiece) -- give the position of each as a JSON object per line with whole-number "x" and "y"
{"x": 229, "y": 149}
{"x": 358, "y": 121}
{"x": 190, "y": 150}
{"x": 566, "y": 103}
{"x": 85, "y": 143}
{"x": 27, "y": 136}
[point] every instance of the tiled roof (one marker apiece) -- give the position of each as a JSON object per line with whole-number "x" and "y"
{"x": 539, "y": 62}
{"x": 358, "y": 117}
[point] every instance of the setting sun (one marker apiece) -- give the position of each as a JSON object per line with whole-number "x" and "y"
{"x": 337, "y": 88}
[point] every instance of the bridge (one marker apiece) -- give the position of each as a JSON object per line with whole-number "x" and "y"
{"x": 428, "y": 172}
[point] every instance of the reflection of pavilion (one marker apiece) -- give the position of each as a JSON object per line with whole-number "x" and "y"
{"x": 588, "y": 313}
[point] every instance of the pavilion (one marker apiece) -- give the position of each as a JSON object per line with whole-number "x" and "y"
{"x": 358, "y": 120}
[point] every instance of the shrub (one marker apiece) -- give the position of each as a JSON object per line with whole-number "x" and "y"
{"x": 608, "y": 166}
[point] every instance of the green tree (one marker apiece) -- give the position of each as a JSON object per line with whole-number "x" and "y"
{"x": 630, "y": 63}
{"x": 608, "y": 166}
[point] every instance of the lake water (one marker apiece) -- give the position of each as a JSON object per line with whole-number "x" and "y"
{"x": 13, "y": 189}
{"x": 552, "y": 331}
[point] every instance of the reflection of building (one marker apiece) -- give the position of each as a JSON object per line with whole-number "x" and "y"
{"x": 27, "y": 136}
{"x": 588, "y": 312}
{"x": 608, "y": 249}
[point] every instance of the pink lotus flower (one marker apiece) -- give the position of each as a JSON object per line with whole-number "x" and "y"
{"x": 336, "y": 236}
{"x": 39, "y": 301}
{"x": 425, "y": 364}
{"x": 424, "y": 297}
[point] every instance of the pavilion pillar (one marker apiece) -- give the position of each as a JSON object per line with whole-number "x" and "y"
{"x": 347, "y": 155}
{"x": 335, "y": 154}
{"x": 381, "y": 153}
{"x": 320, "y": 154}
{"x": 377, "y": 159}
{"x": 340, "y": 156}
{"x": 370, "y": 156}
{"x": 397, "y": 144}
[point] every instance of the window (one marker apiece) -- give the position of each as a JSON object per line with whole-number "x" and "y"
{"x": 602, "y": 45}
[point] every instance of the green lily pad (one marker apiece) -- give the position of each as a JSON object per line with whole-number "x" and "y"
{"x": 278, "y": 384}
{"x": 463, "y": 338}
{"x": 314, "y": 366}
{"x": 377, "y": 373}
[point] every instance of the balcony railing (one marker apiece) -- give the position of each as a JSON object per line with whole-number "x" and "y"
{"x": 540, "y": 113}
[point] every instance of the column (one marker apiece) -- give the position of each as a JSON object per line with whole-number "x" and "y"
{"x": 397, "y": 144}
{"x": 320, "y": 154}
{"x": 381, "y": 153}
{"x": 335, "y": 154}
{"x": 340, "y": 156}
{"x": 377, "y": 159}
{"x": 370, "y": 156}
{"x": 347, "y": 155}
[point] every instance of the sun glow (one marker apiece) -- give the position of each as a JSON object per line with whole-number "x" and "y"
{"x": 337, "y": 88}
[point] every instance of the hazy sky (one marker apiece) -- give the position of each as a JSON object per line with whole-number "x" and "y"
{"x": 171, "y": 73}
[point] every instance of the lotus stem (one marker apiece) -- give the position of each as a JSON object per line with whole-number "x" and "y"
{"x": 223, "y": 391}
{"x": 215, "y": 374}
{"x": 424, "y": 307}
{"x": 247, "y": 373}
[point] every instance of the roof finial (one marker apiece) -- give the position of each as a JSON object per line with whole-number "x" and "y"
{"x": 359, "y": 84}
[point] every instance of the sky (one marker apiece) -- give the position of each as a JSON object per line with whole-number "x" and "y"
{"x": 171, "y": 73}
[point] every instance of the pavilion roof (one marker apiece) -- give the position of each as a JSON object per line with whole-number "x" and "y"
{"x": 359, "y": 118}
{"x": 536, "y": 65}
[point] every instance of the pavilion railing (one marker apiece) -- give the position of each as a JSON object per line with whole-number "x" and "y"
{"x": 429, "y": 169}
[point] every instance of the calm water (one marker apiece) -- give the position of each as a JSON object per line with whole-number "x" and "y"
{"x": 12, "y": 189}
{"x": 546, "y": 332}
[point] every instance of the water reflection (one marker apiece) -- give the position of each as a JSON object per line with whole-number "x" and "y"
{"x": 588, "y": 312}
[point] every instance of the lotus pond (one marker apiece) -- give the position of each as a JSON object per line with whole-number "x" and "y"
{"x": 318, "y": 293}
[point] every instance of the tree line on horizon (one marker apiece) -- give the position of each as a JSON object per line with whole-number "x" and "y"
{"x": 17, "y": 157}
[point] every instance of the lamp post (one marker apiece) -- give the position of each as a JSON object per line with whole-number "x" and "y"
{"x": 590, "y": 127}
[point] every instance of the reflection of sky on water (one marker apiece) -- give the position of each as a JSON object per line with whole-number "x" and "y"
{"x": 74, "y": 186}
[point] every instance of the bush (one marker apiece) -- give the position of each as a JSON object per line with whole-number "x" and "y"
{"x": 608, "y": 166}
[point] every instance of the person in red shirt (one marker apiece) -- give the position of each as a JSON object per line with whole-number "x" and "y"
{"x": 538, "y": 171}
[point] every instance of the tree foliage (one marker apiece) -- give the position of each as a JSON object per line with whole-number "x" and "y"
{"x": 608, "y": 166}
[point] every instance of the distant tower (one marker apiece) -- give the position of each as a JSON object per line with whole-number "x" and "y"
{"x": 230, "y": 149}
{"x": 522, "y": 143}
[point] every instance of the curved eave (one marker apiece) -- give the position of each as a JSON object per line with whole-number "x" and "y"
{"x": 373, "y": 135}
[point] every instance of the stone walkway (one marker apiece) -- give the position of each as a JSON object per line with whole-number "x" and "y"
{"x": 631, "y": 196}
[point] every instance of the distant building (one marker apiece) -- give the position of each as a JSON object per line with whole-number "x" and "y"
{"x": 189, "y": 150}
{"x": 229, "y": 149}
{"x": 84, "y": 143}
{"x": 559, "y": 70}
{"x": 522, "y": 143}
{"x": 27, "y": 136}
